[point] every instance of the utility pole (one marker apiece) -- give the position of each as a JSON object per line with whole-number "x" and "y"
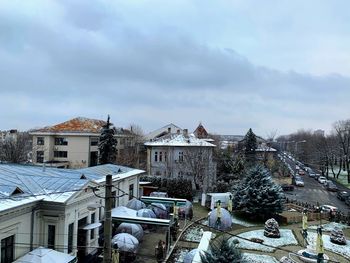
{"x": 107, "y": 247}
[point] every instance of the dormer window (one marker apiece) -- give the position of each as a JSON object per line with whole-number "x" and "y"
{"x": 17, "y": 191}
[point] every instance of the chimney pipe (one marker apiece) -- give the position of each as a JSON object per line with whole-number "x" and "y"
{"x": 169, "y": 130}
{"x": 186, "y": 132}
{"x": 178, "y": 131}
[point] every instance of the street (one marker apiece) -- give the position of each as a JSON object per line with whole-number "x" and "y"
{"x": 313, "y": 192}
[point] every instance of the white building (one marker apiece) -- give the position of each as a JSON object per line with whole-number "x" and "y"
{"x": 170, "y": 128}
{"x": 74, "y": 143}
{"x": 180, "y": 154}
{"x": 48, "y": 207}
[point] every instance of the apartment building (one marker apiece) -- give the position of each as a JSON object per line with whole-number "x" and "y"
{"x": 74, "y": 143}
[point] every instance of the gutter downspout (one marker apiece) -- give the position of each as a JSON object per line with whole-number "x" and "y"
{"x": 32, "y": 228}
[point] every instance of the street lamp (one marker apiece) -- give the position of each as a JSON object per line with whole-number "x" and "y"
{"x": 296, "y": 147}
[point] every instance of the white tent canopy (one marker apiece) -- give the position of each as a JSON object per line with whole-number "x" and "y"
{"x": 43, "y": 255}
{"x": 123, "y": 211}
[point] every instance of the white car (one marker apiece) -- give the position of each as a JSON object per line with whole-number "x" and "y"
{"x": 299, "y": 182}
{"x": 322, "y": 179}
{"x": 328, "y": 208}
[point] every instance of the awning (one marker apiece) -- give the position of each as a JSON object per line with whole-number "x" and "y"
{"x": 92, "y": 226}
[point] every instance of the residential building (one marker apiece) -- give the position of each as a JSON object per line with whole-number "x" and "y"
{"x": 74, "y": 143}
{"x": 319, "y": 132}
{"x": 170, "y": 128}
{"x": 42, "y": 206}
{"x": 182, "y": 155}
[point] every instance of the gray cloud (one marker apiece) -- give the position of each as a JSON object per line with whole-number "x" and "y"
{"x": 88, "y": 60}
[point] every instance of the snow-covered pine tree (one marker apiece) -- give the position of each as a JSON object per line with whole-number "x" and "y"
{"x": 258, "y": 194}
{"x": 222, "y": 252}
{"x": 107, "y": 146}
{"x": 250, "y": 145}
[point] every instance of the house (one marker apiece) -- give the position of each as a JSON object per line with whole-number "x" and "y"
{"x": 182, "y": 155}
{"x": 74, "y": 143}
{"x": 42, "y": 206}
{"x": 170, "y": 128}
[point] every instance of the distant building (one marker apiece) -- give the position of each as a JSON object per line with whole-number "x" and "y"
{"x": 182, "y": 155}
{"x": 10, "y": 134}
{"x": 42, "y": 206}
{"x": 319, "y": 132}
{"x": 74, "y": 143}
{"x": 170, "y": 128}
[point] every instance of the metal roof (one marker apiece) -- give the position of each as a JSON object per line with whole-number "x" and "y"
{"x": 51, "y": 184}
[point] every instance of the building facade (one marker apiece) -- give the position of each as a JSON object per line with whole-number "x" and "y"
{"x": 49, "y": 207}
{"x": 74, "y": 143}
{"x": 182, "y": 155}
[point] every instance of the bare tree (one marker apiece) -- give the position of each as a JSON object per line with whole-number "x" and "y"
{"x": 134, "y": 154}
{"x": 342, "y": 131}
{"x": 199, "y": 165}
{"x": 16, "y": 149}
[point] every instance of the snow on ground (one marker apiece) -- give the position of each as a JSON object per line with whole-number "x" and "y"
{"x": 180, "y": 255}
{"x": 287, "y": 238}
{"x": 328, "y": 245}
{"x": 330, "y": 226}
{"x": 256, "y": 258}
{"x": 193, "y": 234}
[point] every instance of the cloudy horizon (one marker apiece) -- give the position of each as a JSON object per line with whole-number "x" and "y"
{"x": 232, "y": 65}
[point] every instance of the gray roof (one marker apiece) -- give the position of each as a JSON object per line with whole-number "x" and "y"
{"x": 19, "y": 182}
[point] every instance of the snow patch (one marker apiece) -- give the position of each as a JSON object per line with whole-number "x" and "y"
{"x": 343, "y": 250}
{"x": 287, "y": 238}
{"x": 180, "y": 255}
{"x": 330, "y": 226}
{"x": 256, "y": 258}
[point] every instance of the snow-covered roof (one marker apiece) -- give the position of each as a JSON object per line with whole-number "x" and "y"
{"x": 179, "y": 140}
{"x": 265, "y": 148}
{"x": 22, "y": 184}
{"x": 162, "y": 131}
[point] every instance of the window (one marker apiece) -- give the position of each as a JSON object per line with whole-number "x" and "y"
{"x": 114, "y": 194}
{"x": 181, "y": 157}
{"x": 161, "y": 156}
{"x": 94, "y": 141}
{"x": 99, "y": 213}
{"x": 165, "y": 156}
{"x": 60, "y": 154}
{"x": 156, "y": 156}
{"x": 92, "y": 231}
{"x": 61, "y": 141}
{"x": 70, "y": 237}
{"x": 40, "y": 141}
{"x": 39, "y": 156}
{"x": 51, "y": 231}
{"x": 131, "y": 191}
{"x": 7, "y": 249}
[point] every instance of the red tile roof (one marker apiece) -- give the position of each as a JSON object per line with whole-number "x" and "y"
{"x": 76, "y": 125}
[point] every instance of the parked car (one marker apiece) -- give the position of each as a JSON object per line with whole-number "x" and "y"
{"x": 342, "y": 195}
{"x": 330, "y": 186}
{"x": 317, "y": 176}
{"x": 312, "y": 174}
{"x": 329, "y": 208}
{"x": 301, "y": 172}
{"x": 299, "y": 182}
{"x": 322, "y": 179}
{"x": 287, "y": 187}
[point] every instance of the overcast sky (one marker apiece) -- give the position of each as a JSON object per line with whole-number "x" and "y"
{"x": 269, "y": 65}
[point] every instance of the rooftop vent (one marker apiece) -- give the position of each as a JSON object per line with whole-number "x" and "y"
{"x": 82, "y": 176}
{"x": 17, "y": 191}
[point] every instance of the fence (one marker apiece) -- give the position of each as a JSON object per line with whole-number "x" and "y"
{"x": 314, "y": 214}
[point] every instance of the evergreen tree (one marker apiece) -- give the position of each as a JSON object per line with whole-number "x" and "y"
{"x": 108, "y": 144}
{"x": 223, "y": 252}
{"x": 258, "y": 194}
{"x": 250, "y": 145}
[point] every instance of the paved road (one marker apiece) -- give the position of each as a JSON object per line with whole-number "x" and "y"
{"x": 314, "y": 192}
